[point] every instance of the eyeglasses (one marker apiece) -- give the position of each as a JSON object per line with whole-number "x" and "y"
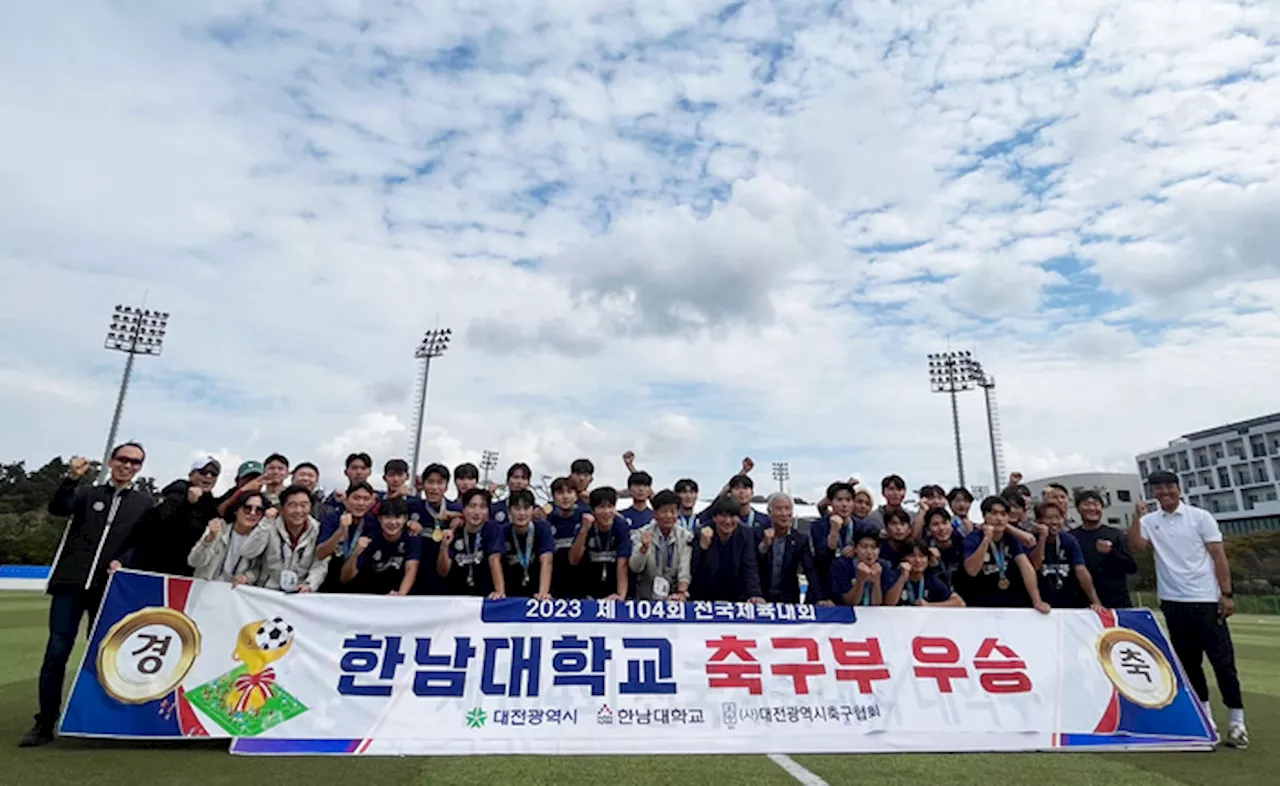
{"x": 208, "y": 473}
{"x": 128, "y": 461}
{"x": 251, "y": 509}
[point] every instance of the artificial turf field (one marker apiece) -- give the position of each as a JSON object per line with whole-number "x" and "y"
{"x": 75, "y": 762}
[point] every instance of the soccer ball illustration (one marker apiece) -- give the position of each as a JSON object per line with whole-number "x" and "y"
{"x": 273, "y": 634}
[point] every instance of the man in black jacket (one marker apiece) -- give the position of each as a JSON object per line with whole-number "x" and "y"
{"x": 101, "y": 519}
{"x": 162, "y": 540}
{"x": 1106, "y": 552}
{"x": 724, "y": 559}
{"x": 783, "y": 553}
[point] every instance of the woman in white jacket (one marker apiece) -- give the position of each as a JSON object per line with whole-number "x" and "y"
{"x": 222, "y": 553}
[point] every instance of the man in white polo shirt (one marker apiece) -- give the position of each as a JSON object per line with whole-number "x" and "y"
{"x": 1194, "y": 583}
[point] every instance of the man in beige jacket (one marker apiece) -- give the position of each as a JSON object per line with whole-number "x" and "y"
{"x": 661, "y": 552}
{"x": 288, "y": 546}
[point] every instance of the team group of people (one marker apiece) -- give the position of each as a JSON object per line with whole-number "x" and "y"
{"x": 276, "y": 529}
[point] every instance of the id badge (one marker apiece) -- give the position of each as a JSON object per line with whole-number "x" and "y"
{"x": 288, "y": 581}
{"x": 661, "y": 587}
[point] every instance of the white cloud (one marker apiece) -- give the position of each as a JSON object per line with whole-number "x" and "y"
{"x": 648, "y": 227}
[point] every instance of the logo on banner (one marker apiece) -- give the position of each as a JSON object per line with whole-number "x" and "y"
{"x": 248, "y": 700}
{"x": 1137, "y": 667}
{"x": 476, "y": 718}
{"x": 146, "y": 655}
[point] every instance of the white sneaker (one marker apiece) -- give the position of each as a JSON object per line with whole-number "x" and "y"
{"x": 1237, "y": 737}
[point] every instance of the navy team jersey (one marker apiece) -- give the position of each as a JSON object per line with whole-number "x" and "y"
{"x": 469, "y": 554}
{"x": 1059, "y": 586}
{"x": 598, "y": 572}
{"x": 983, "y": 590}
{"x": 329, "y": 525}
{"x": 930, "y": 589}
{"x": 636, "y": 518}
{"x": 382, "y": 564}
{"x": 564, "y": 529}
{"x": 844, "y": 574}
{"x": 951, "y": 559}
{"x": 521, "y": 566}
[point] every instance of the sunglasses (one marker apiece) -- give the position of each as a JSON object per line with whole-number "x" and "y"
{"x": 128, "y": 462}
{"x": 208, "y": 473}
{"x": 251, "y": 509}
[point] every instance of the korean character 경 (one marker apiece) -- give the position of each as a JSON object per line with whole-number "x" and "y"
{"x": 867, "y": 660}
{"x": 938, "y": 658}
{"x": 445, "y": 675}
{"x": 1002, "y": 670}
{"x": 362, "y": 654}
{"x": 580, "y": 661}
{"x": 734, "y": 675}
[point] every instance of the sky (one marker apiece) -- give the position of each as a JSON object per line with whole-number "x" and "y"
{"x": 698, "y": 230}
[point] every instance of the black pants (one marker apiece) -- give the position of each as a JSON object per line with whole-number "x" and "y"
{"x": 66, "y": 610}
{"x": 1196, "y": 630}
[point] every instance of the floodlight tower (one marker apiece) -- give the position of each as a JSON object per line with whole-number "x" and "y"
{"x": 133, "y": 331}
{"x": 781, "y": 473}
{"x": 951, "y": 373}
{"x": 434, "y": 343}
{"x": 488, "y": 463}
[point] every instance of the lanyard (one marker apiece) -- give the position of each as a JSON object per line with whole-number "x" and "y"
{"x": 436, "y": 515}
{"x": 525, "y": 556}
{"x": 998, "y": 551}
{"x": 470, "y": 550}
{"x": 294, "y": 551}
{"x": 916, "y": 591}
{"x": 595, "y": 546}
{"x": 849, "y": 532}
{"x": 689, "y": 522}
{"x": 751, "y": 518}
{"x": 866, "y": 594}
{"x": 668, "y": 552}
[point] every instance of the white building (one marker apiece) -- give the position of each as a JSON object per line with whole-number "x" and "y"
{"x": 1119, "y": 492}
{"x": 1230, "y": 471}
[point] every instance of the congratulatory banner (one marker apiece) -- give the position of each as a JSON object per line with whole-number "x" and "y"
{"x": 350, "y": 674}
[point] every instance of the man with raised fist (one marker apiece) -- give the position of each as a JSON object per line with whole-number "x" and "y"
{"x": 101, "y": 520}
{"x": 165, "y": 536}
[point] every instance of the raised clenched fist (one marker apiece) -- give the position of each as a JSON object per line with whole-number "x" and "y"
{"x": 446, "y": 537}
{"x": 1104, "y": 547}
{"x": 414, "y": 527}
{"x": 705, "y": 535}
{"x": 877, "y": 569}
{"x": 344, "y": 521}
{"x": 646, "y": 540}
{"x": 1042, "y": 531}
{"x": 629, "y": 456}
{"x": 363, "y": 543}
{"x": 836, "y": 521}
{"x": 747, "y": 465}
{"x": 988, "y": 531}
{"x": 588, "y": 520}
{"x": 79, "y": 466}
{"x": 194, "y": 493}
{"x": 271, "y": 513}
{"x": 768, "y": 537}
{"x": 215, "y": 528}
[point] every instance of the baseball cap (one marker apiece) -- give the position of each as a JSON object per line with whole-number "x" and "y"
{"x": 206, "y": 463}
{"x": 249, "y": 468}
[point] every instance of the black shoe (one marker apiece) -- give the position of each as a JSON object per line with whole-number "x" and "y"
{"x": 39, "y": 735}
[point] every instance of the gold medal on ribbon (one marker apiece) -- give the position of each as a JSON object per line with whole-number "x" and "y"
{"x": 1004, "y": 583}
{"x": 146, "y": 655}
{"x": 436, "y": 535}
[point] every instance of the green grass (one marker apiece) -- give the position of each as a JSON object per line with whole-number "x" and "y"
{"x": 70, "y": 761}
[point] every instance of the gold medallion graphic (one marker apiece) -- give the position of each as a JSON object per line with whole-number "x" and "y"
{"x": 147, "y": 654}
{"x": 1137, "y": 667}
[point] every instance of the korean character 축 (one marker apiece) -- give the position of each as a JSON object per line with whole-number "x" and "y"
{"x": 734, "y": 675}
{"x": 361, "y": 656}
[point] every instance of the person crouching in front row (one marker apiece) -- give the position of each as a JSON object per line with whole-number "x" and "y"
{"x": 863, "y": 579}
